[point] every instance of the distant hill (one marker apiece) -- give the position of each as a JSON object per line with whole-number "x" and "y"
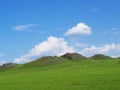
{"x": 60, "y": 73}
{"x": 100, "y": 57}
{"x": 44, "y": 61}
{"x": 49, "y": 60}
{"x": 74, "y": 56}
{"x": 8, "y": 65}
{"x": 118, "y": 57}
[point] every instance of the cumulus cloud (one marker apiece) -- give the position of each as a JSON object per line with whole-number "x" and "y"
{"x": 52, "y": 46}
{"x": 112, "y": 49}
{"x": 79, "y": 29}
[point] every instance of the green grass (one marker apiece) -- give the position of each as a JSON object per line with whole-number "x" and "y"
{"x": 63, "y": 75}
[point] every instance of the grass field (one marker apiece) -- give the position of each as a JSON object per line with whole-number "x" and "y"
{"x": 63, "y": 75}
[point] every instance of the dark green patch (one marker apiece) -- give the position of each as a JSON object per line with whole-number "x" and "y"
{"x": 100, "y": 57}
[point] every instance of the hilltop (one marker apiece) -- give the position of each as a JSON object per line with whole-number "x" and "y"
{"x": 74, "y": 56}
{"x": 48, "y": 60}
{"x": 100, "y": 57}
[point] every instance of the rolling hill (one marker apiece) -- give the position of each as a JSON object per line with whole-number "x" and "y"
{"x": 62, "y": 73}
{"x": 74, "y": 56}
{"x": 100, "y": 57}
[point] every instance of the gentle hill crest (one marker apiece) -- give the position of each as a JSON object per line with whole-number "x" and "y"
{"x": 100, "y": 57}
{"x": 74, "y": 56}
{"x": 49, "y": 60}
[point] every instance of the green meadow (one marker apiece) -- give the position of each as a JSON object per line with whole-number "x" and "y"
{"x": 63, "y": 74}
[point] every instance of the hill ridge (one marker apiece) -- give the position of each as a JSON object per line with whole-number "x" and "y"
{"x": 47, "y": 60}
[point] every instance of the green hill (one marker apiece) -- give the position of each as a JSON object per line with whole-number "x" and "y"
{"x": 74, "y": 56}
{"x": 100, "y": 57}
{"x": 60, "y": 73}
{"x": 49, "y": 60}
{"x": 44, "y": 61}
{"x": 8, "y": 66}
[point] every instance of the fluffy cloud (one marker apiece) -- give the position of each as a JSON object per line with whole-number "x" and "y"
{"x": 24, "y": 27}
{"x": 52, "y": 46}
{"x": 79, "y": 29}
{"x": 112, "y": 50}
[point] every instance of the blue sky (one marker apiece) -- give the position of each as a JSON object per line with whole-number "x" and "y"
{"x": 84, "y": 26}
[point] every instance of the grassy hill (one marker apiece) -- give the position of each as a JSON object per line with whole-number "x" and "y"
{"x": 59, "y": 73}
{"x": 74, "y": 56}
{"x": 100, "y": 57}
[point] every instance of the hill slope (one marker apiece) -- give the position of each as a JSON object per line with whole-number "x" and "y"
{"x": 62, "y": 75}
{"x": 100, "y": 57}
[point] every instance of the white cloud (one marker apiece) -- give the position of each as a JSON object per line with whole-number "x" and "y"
{"x": 112, "y": 49}
{"x": 27, "y": 28}
{"x": 113, "y": 30}
{"x": 52, "y": 46}
{"x": 24, "y": 27}
{"x": 79, "y": 29}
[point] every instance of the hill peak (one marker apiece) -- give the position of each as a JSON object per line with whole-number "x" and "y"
{"x": 74, "y": 56}
{"x": 100, "y": 57}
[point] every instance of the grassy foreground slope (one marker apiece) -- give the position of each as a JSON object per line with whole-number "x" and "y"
{"x": 63, "y": 75}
